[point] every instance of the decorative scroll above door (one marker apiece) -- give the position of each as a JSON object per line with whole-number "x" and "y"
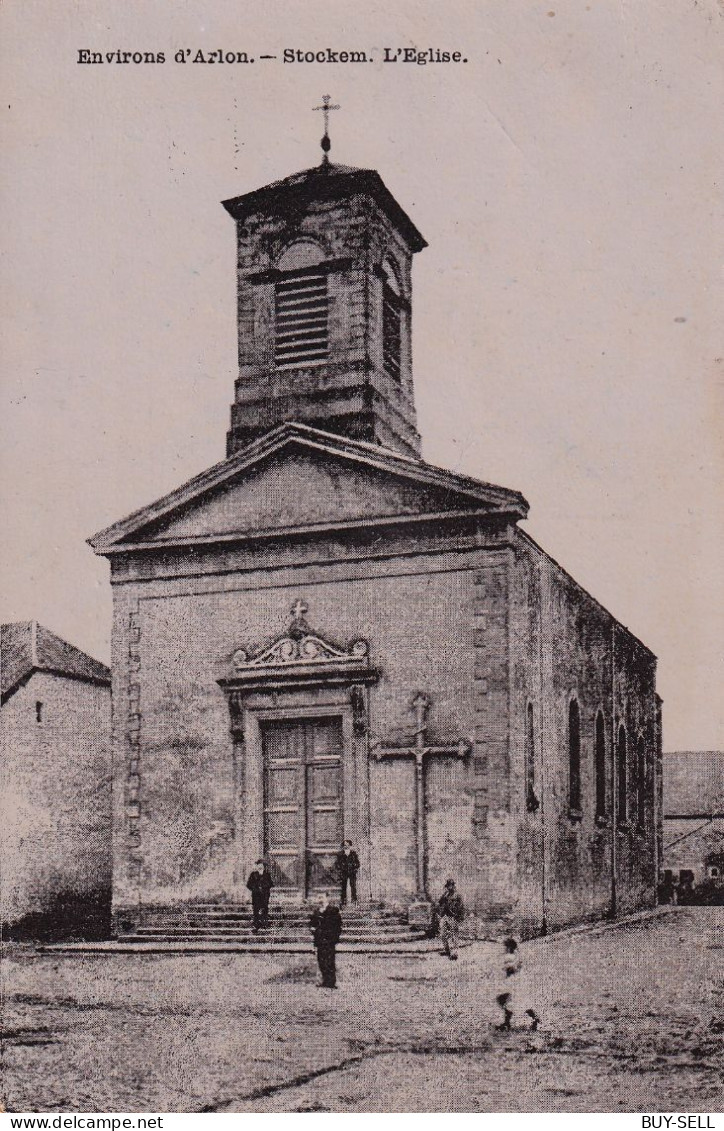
{"x": 301, "y": 656}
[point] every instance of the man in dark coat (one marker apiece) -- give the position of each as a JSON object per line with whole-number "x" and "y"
{"x": 347, "y": 869}
{"x": 260, "y": 884}
{"x": 450, "y": 913}
{"x": 326, "y": 927}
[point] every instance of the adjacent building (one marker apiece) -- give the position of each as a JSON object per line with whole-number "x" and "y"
{"x": 55, "y": 785}
{"x": 693, "y": 786}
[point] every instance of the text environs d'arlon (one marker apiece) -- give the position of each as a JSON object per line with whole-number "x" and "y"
{"x": 421, "y": 56}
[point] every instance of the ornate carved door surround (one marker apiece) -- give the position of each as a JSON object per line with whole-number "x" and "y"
{"x": 286, "y": 700}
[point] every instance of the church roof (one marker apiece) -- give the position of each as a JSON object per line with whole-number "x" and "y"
{"x": 475, "y": 494}
{"x": 693, "y": 783}
{"x": 326, "y": 182}
{"x": 27, "y": 647}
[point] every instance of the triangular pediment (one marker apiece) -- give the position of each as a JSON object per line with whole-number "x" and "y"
{"x": 300, "y": 478}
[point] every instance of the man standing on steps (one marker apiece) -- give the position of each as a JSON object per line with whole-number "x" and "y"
{"x": 347, "y": 869}
{"x": 326, "y": 927}
{"x": 260, "y": 884}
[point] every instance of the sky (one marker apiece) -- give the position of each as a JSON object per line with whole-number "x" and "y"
{"x": 567, "y": 328}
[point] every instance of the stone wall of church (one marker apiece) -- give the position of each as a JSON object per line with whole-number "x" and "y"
{"x": 492, "y": 896}
{"x": 638, "y": 834}
{"x": 56, "y": 800}
{"x": 484, "y": 633}
{"x": 566, "y": 647}
{"x": 528, "y": 710}
{"x": 435, "y": 623}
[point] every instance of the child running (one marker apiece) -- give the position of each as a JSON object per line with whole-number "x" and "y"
{"x": 512, "y": 997}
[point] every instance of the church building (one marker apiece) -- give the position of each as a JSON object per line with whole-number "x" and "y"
{"x": 325, "y": 638}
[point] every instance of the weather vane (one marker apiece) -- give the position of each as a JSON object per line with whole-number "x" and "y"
{"x": 325, "y": 142}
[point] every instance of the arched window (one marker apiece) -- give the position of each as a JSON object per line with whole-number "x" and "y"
{"x": 641, "y": 782}
{"x": 391, "y": 322}
{"x": 301, "y": 306}
{"x": 622, "y": 773}
{"x": 600, "y": 757}
{"x": 574, "y": 755}
{"x": 531, "y": 800}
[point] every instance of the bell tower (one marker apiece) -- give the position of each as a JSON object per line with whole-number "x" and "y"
{"x": 324, "y": 307}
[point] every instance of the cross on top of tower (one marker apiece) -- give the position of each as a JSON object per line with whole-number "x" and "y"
{"x": 325, "y": 142}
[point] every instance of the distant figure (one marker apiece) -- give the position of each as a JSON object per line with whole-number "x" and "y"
{"x": 685, "y": 888}
{"x": 512, "y": 997}
{"x": 450, "y": 913}
{"x": 347, "y": 869}
{"x": 667, "y": 891}
{"x": 260, "y": 884}
{"x": 326, "y": 927}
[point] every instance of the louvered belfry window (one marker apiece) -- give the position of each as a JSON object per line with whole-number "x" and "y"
{"x": 391, "y": 321}
{"x": 391, "y": 331}
{"x": 302, "y": 309}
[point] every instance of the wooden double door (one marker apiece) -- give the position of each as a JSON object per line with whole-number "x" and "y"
{"x": 303, "y": 810}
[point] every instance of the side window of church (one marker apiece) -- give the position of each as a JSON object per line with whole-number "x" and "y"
{"x": 641, "y": 782}
{"x": 391, "y": 324}
{"x": 301, "y": 307}
{"x": 531, "y": 800}
{"x": 600, "y": 756}
{"x": 574, "y": 755}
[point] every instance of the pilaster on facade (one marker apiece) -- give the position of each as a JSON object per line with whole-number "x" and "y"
{"x": 491, "y": 819}
{"x": 132, "y": 800}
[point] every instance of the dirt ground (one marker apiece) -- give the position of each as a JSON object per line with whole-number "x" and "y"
{"x": 633, "y": 1020}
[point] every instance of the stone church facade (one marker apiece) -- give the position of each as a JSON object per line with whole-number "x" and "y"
{"x": 323, "y": 637}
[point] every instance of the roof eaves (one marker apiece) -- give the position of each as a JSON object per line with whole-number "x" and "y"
{"x": 327, "y": 182}
{"x": 620, "y": 626}
{"x": 276, "y": 440}
{"x": 27, "y": 675}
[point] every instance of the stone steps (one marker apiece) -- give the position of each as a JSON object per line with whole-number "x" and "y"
{"x": 267, "y": 939}
{"x": 415, "y": 947}
{"x": 243, "y": 911}
{"x": 273, "y": 936}
{"x": 232, "y": 924}
{"x": 276, "y": 912}
{"x": 302, "y": 933}
{"x": 241, "y": 920}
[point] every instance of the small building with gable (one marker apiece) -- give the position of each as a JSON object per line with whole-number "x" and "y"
{"x": 55, "y": 785}
{"x": 693, "y": 828}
